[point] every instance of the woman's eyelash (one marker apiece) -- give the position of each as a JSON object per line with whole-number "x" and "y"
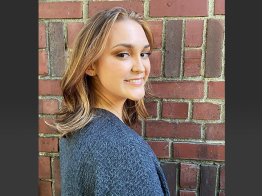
{"x": 122, "y": 54}
{"x": 148, "y": 53}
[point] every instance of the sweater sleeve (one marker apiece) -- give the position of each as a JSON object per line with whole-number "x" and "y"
{"x": 121, "y": 168}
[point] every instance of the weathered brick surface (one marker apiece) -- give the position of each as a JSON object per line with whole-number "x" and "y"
{"x": 44, "y": 128}
{"x": 137, "y": 128}
{"x": 156, "y": 28}
{"x": 44, "y": 168}
{"x": 97, "y": 6}
{"x": 194, "y": 33}
{"x": 215, "y": 131}
{"x": 73, "y": 29}
{"x": 48, "y": 144}
{"x": 187, "y": 193}
{"x": 151, "y": 108}
{"x": 47, "y": 106}
{"x": 155, "y": 61}
{"x": 215, "y": 31}
{"x": 173, "y": 48}
{"x": 222, "y": 178}
{"x": 188, "y": 175}
{"x": 219, "y": 7}
{"x": 192, "y": 62}
{"x": 57, "y": 49}
{"x": 161, "y": 149}
{"x": 60, "y": 9}
{"x": 208, "y": 180}
{"x": 41, "y": 35}
{"x": 178, "y": 8}
{"x": 216, "y": 90}
{"x": 49, "y": 87}
{"x": 199, "y": 151}
{"x": 172, "y": 129}
{"x": 206, "y": 111}
{"x": 57, "y": 176}
{"x": 178, "y": 90}
{"x": 44, "y": 188}
{"x": 169, "y": 169}
{"x": 174, "y": 110}
{"x": 42, "y": 62}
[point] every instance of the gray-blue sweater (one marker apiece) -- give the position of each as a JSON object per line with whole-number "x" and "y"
{"x": 107, "y": 157}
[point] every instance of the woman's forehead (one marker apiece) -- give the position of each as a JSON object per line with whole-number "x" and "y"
{"x": 127, "y": 31}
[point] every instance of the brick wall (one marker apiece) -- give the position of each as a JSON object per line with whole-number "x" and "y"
{"x": 187, "y": 128}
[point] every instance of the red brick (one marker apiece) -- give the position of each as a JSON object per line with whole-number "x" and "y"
{"x": 73, "y": 29}
{"x": 178, "y": 8}
{"x": 48, "y": 144}
{"x": 222, "y": 193}
{"x": 206, "y": 111}
{"x": 44, "y": 168}
{"x": 215, "y": 131}
{"x": 41, "y": 35}
{"x": 42, "y": 62}
{"x": 155, "y": 60}
{"x": 222, "y": 177}
{"x": 192, "y": 62}
{"x": 49, "y": 87}
{"x": 44, "y": 188}
{"x": 57, "y": 176}
{"x": 161, "y": 149}
{"x": 151, "y": 108}
{"x": 216, "y": 90}
{"x": 169, "y": 169}
{"x": 97, "y": 6}
{"x": 156, "y": 28}
{"x": 172, "y": 129}
{"x": 174, "y": 34}
{"x": 137, "y": 128}
{"x": 178, "y": 89}
{"x": 44, "y": 128}
{"x": 187, "y": 193}
{"x": 188, "y": 175}
{"x": 57, "y": 54}
{"x": 208, "y": 180}
{"x": 194, "y": 33}
{"x": 175, "y": 110}
{"x": 214, "y": 46}
{"x": 48, "y": 106}
{"x": 60, "y": 9}
{"x": 219, "y": 7}
{"x": 199, "y": 151}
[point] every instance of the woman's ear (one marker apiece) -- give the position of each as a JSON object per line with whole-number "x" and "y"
{"x": 91, "y": 71}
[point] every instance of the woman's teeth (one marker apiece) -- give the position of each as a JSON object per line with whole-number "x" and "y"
{"x": 136, "y": 81}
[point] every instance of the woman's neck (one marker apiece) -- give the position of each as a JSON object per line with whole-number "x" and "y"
{"x": 116, "y": 109}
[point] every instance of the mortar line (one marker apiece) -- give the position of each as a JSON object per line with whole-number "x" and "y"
{"x": 52, "y": 175}
{"x": 182, "y": 50}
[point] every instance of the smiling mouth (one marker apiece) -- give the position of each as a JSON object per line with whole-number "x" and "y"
{"x": 134, "y": 81}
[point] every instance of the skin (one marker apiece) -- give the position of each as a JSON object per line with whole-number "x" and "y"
{"x": 126, "y": 57}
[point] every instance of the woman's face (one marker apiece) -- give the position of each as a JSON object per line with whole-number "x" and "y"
{"x": 124, "y": 66}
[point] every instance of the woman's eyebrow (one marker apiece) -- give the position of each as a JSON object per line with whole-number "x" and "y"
{"x": 129, "y": 46}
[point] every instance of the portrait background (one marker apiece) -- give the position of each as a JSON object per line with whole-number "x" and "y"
{"x": 187, "y": 126}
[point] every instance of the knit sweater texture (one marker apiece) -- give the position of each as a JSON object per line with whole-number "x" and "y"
{"x": 106, "y": 157}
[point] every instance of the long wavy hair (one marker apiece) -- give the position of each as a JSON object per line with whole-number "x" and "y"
{"x": 79, "y": 92}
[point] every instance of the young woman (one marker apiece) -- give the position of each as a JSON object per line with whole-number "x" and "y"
{"x": 103, "y": 88}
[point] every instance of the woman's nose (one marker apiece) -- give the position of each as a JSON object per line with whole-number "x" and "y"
{"x": 138, "y": 65}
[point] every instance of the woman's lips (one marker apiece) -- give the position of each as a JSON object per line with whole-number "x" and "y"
{"x": 137, "y": 81}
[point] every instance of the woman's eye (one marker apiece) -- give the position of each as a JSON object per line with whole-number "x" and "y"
{"x": 145, "y": 54}
{"x": 123, "y": 55}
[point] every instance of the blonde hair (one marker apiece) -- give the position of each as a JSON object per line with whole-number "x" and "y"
{"x": 79, "y": 92}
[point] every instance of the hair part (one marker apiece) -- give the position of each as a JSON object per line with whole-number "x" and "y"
{"x": 79, "y": 91}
